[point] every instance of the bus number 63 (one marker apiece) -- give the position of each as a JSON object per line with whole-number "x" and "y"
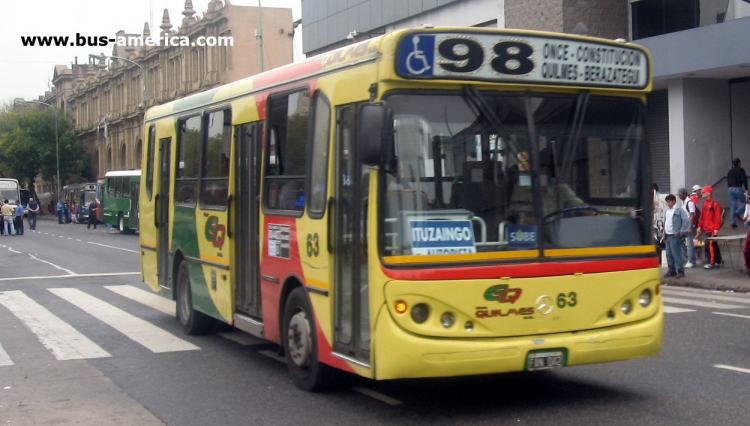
{"x": 564, "y": 300}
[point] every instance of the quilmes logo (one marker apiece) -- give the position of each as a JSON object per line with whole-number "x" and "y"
{"x": 215, "y": 232}
{"x": 502, "y": 294}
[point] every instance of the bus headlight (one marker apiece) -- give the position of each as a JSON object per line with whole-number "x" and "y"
{"x": 626, "y": 307}
{"x": 419, "y": 313}
{"x": 645, "y": 298}
{"x": 447, "y": 319}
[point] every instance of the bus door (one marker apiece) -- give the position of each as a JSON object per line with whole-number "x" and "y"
{"x": 349, "y": 249}
{"x": 135, "y": 188}
{"x": 162, "y": 212}
{"x": 245, "y": 217}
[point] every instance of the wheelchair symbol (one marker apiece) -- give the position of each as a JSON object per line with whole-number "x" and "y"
{"x": 416, "y": 55}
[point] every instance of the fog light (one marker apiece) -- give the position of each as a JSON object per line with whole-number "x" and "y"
{"x": 469, "y": 326}
{"x": 627, "y": 306}
{"x": 401, "y": 306}
{"x": 610, "y": 315}
{"x": 645, "y": 298}
{"x": 447, "y": 319}
{"x": 419, "y": 313}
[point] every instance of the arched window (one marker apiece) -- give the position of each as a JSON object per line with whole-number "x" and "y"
{"x": 138, "y": 154}
{"x": 123, "y": 157}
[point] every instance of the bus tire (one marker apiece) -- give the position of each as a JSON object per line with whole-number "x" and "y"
{"x": 301, "y": 345}
{"x": 192, "y": 321}
{"x": 121, "y": 224}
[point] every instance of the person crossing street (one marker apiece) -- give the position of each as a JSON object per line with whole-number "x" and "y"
{"x": 709, "y": 224}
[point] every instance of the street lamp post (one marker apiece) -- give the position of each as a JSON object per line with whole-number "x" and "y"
{"x": 57, "y": 143}
{"x": 144, "y": 95}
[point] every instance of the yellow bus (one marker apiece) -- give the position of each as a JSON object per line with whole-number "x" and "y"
{"x": 431, "y": 202}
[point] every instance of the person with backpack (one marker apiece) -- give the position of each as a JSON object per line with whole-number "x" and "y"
{"x": 710, "y": 223}
{"x": 737, "y": 183}
{"x": 688, "y": 249}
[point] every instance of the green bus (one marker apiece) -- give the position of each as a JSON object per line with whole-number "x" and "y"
{"x": 120, "y": 199}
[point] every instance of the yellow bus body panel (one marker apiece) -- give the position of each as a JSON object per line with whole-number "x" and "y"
{"x": 594, "y": 329}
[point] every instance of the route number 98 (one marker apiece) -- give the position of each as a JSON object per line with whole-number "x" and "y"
{"x": 462, "y": 55}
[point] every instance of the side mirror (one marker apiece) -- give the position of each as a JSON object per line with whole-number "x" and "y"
{"x": 375, "y": 134}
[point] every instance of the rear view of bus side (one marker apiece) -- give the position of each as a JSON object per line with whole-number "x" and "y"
{"x": 120, "y": 194}
{"x": 431, "y": 202}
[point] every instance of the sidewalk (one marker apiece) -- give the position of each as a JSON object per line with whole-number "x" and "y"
{"x": 724, "y": 278}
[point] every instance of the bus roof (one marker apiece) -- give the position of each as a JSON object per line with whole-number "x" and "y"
{"x": 554, "y": 53}
{"x": 123, "y": 173}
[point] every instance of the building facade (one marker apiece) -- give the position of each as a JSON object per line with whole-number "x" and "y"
{"x": 106, "y": 96}
{"x": 699, "y": 112}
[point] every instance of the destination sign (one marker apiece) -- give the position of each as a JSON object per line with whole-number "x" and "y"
{"x": 8, "y": 184}
{"x": 442, "y": 237}
{"x": 521, "y": 58}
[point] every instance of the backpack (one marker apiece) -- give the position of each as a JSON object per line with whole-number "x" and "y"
{"x": 697, "y": 212}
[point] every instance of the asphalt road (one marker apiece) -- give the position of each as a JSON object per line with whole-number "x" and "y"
{"x": 143, "y": 370}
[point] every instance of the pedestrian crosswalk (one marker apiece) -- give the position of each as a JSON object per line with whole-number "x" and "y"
{"x": 65, "y": 342}
{"x": 684, "y": 299}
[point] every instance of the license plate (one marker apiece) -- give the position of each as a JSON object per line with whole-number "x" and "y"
{"x": 545, "y": 360}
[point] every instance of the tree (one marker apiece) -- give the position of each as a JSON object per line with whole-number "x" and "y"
{"x": 28, "y": 147}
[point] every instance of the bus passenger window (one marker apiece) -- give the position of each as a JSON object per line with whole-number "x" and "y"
{"x": 216, "y": 151}
{"x": 286, "y": 154}
{"x": 188, "y": 160}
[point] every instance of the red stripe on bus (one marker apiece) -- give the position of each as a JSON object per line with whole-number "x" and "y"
{"x": 525, "y": 270}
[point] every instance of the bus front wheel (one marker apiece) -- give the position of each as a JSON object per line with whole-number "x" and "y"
{"x": 301, "y": 345}
{"x": 192, "y": 321}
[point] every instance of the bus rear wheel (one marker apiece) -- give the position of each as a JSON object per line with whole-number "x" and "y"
{"x": 301, "y": 345}
{"x": 121, "y": 224}
{"x": 192, "y": 321}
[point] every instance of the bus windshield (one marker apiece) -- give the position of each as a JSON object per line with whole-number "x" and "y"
{"x": 477, "y": 172}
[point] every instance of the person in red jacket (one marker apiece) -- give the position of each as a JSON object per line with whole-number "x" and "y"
{"x": 710, "y": 223}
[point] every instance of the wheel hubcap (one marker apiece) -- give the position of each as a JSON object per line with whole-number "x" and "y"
{"x": 299, "y": 340}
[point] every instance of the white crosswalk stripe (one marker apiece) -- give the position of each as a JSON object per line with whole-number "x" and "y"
{"x": 65, "y": 342}
{"x": 152, "y": 300}
{"x": 674, "y": 310}
{"x": 706, "y": 304}
{"x": 727, "y": 297}
{"x": 153, "y": 338}
{"x": 701, "y": 298}
{"x": 4, "y": 358}
{"x": 62, "y": 339}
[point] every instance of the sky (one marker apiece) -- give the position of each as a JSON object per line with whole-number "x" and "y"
{"x": 27, "y": 71}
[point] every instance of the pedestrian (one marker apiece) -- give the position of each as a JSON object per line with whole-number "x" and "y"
{"x": 696, "y": 194}
{"x": 746, "y": 216}
{"x": 688, "y": 249}
{"x": 8, "y": 212}
{"x": 737, "y": 183}
{"x": 92, "y": 214}
{"x": 73, "y": 212}
{"x": 746, "y": 251}
{"x": 19, "y": 217}
{"x": 33, "y": 208}
{"x": 709, "y": 224}
{"x": 59, "y": 211}
{"x": 66, "y": 212}
{"x": 676, "y": 225}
